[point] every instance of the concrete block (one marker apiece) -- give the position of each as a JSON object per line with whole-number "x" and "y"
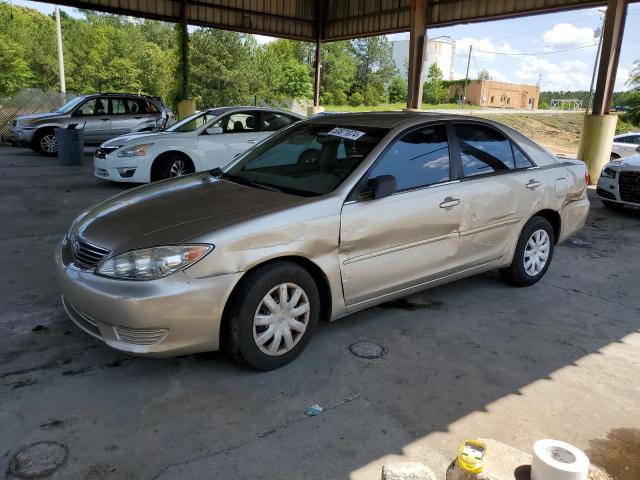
{"x": 407, "y": 471}
{"x": 311, "y": 111}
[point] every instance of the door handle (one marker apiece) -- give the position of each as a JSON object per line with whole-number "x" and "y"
{"x": 253, "y": 141}
{"x": 533, "y": 184}
{"x": 104, "y": 119}
{"x": 137, "y": 118}
{"x": 449, "y": 203}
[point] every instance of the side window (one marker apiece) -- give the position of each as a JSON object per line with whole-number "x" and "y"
{"x": 520, "y": 158}
{"x": 419, "y": 158}
{"x": 118, "y": 106}
{"x": 238, "y": 122}
{"x": 148, "y": 107}
{"x": 483, "y": 150}
{"x": 635, "y": 139}
{"x": 273, "y": 121}
{"x": 95, "y": 106}
{"x": 134, "y": 106}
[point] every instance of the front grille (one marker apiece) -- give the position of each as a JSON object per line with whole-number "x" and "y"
{"x": 605, "y": 194}
{"x": 141, "y": 336}
{"x": 86, "y": 254}
{"x": 102, "y": 152}
{"x": 81, "y": 319}
{"x": 629, "y": 185}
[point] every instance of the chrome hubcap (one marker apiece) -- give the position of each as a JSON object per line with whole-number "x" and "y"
{"x": 49, "y": 143}
{"x": 178, "y": 168}
{"x": 536, "y": 252}
{"x": 281, "y": 319}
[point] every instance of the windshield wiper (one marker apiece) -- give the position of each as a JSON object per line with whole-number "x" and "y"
{"x": 219, "y": 173}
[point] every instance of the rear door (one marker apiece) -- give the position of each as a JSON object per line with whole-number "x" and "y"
{"x": 500, "y": 190}
{"x": 410, "y": 237}
{"x": 131, "y": 115}
{"x": 93, "y": 116}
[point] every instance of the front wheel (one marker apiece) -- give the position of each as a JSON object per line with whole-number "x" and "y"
{"x": 171, "y": 167}
{"x": 45, "y": 143}
{"x": 272, "y": 315}
{"x": 533, "y": 254}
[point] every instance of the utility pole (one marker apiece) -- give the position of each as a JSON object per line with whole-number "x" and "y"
{"x": 466, "y": 77}
{"x": 63, "y": 85}
{"x": 596, "y": 62}
{"x": 539, "y": 80}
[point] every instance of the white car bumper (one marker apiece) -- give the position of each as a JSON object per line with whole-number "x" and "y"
{"x": 626, "y": 192}
{"x": 122, "y": 169}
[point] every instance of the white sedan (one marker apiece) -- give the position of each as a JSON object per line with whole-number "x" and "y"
{"x": 625, "y": 145}
{"x": 203, "y": 141}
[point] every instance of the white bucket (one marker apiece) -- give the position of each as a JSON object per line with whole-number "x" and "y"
{"x": 556, "y": 460}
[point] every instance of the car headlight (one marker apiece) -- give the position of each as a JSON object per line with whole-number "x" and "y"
{"x": 152, "y": 263}
{"x": 135, "y": 151}
{"x": 608, "y": 172}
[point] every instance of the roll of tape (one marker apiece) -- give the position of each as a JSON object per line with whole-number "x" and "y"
{"x": 556, "y": 460}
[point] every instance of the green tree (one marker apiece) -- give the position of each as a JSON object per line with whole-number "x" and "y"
{"x": 338, "y": 72}
{"x": 633, "y": 96}
{"x": 281, "y": 73}
{"x": 375, "y": 68}
{"x": 484, "y": 74}
{"x": 398, "y": 90}
{"x": 15, "y": 73}
{"x": 434, "y": 91}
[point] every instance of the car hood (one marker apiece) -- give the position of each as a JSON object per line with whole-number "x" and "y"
{"x": 632, "y": 161}
{"x": 39, "y": 116}
{"x": 175, "y": 211}
{"x": 137, "y": 138}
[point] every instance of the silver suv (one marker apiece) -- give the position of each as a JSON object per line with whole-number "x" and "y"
{"x": 103, "y": 116}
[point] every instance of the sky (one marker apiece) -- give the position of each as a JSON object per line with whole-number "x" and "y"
{"x": 514, "y": 40}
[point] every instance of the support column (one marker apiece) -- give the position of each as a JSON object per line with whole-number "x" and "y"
{"x": 417, "y": 51}
{"x": 186, "y": 106}
{"x": 599, "y": 127}
{"x": 317, "y": 65}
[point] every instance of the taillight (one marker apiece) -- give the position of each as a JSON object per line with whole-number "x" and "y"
{"x": 587, "y": 178}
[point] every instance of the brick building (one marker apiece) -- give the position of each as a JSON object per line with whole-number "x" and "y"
{"x": 489, "y": 93}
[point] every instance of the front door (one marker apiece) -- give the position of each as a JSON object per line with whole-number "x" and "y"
{"x": 410, "y": 237}
{"x": 239, "y": 133}
{"x": 500, "y": 190}
{"x": 93, "y": 116}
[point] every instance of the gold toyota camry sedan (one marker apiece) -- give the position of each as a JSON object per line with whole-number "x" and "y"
{"x": 327, "y": 217}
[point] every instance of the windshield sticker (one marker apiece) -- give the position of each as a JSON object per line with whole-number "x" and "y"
{"x": 346, "y": 133}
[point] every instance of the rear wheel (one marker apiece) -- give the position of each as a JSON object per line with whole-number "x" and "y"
{"x": 272, "y": 315}
{"x": 613, "y": 205}
{"x": 533, "y": 254}
{"x": 45, "y": 142}
{"x": 174, "y": 165}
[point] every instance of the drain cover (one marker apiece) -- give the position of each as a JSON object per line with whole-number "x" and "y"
{"x": 368, "y": 350}
{"x": 38, "y": 460}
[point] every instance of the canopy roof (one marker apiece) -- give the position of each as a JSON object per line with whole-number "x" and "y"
{"x": 325, "y": 19}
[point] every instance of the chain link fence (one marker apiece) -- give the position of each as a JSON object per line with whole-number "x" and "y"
{"x": 28, "y": 101}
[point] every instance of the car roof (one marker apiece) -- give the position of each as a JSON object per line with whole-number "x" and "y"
{"x": 251, "y": 107}
{"x": 390, "y": 119}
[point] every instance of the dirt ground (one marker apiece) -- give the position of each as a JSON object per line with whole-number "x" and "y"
{"x": 559, "y": 132}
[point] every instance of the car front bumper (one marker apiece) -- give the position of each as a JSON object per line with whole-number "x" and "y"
{"x": 171, "y": 316}
{"x": 122, "y": 169}
{"x": 21, "y": 136}
{"x": 608, "y": 189}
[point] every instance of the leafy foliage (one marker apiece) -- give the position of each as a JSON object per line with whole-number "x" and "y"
{"x": 434, "y": 91}
{"x": 398, "y": 90}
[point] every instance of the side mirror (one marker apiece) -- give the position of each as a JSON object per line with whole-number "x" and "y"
{"x": 214, "y": 130}
{"x": 379, "y": 187}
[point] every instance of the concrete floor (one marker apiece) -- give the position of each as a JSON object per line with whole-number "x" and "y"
{"x": 473, "y": 358}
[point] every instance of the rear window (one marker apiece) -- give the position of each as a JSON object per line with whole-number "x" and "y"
{"x": 483, "y": 150}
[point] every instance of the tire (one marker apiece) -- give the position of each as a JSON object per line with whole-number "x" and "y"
{"x": 613, "y": 205}
{"x": 45, "y": 143}
{"x": 535, "y": 236}
{"x": 248, "y": 319}
{"x": 175, "y": 165}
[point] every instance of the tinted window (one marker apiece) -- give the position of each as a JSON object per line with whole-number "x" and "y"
{"x": 520, "y": 158}
{"x": 238, "y": 122}
{"x": 483, "y": 150}
{"x": 96, "y": 106}
{"x": 419, "y": 158}
{"x": 118, "y": 106}
{"x": 272, "y": 121}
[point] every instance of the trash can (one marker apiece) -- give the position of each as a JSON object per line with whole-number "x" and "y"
{"x": 70, "y": 145}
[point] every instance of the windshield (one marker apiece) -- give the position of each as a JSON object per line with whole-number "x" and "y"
{"x": 70, "y": 105}
{"x": 195, "y": 121}
{"x": 307, "y": 159}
